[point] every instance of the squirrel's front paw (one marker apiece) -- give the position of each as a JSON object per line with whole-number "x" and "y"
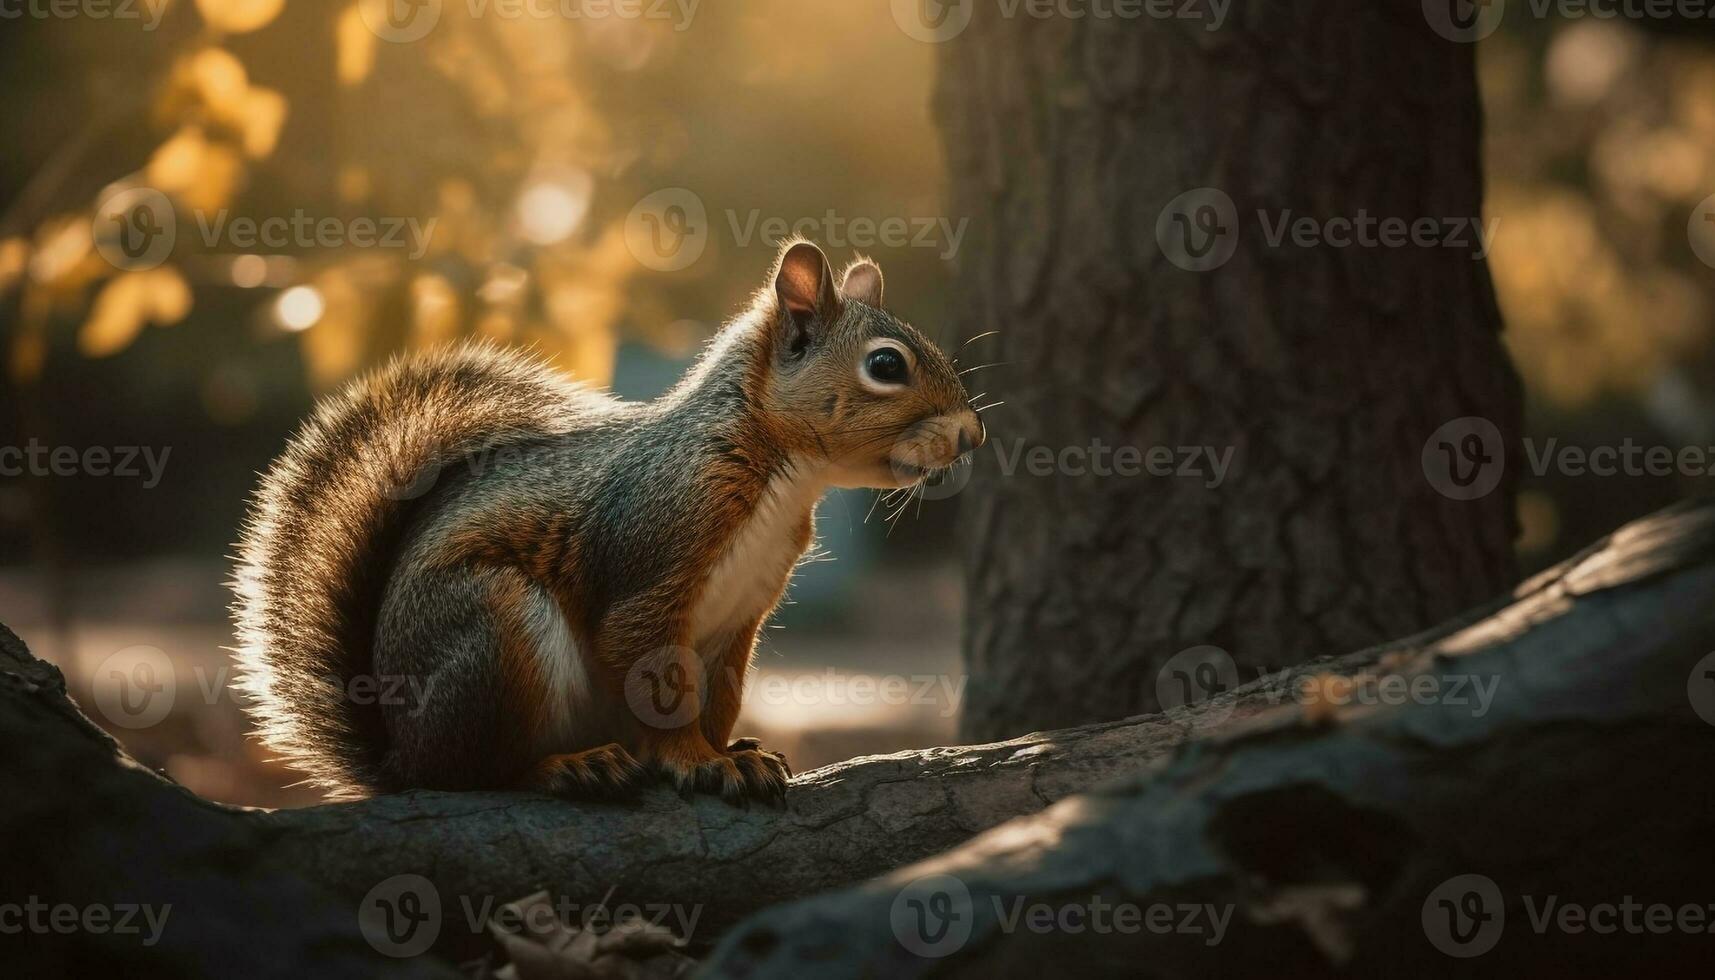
{"x": 607, "y": 772}
{"x": 743, "y": 773}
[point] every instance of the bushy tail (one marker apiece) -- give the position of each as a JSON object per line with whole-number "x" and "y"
{"x": 325, "y": 525}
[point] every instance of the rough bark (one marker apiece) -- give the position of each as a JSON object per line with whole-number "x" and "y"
{"x": 1325, "y": 370}
{"x": 1331, "y": 843}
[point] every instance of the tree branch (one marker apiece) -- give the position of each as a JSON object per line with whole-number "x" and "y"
{"x": 1592, "y": 664}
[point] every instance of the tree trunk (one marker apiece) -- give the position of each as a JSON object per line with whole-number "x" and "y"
{"x": 1323, "y": 370}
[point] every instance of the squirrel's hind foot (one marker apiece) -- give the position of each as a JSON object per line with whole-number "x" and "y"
{"x": 605, "y": 773}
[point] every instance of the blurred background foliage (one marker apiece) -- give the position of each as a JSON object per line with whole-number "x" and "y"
{"x": 524, "y": 143}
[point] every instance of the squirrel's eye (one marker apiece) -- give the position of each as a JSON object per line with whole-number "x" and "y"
{"x": 886, "y": 365}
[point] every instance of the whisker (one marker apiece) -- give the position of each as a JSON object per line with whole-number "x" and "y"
{"x": 985, "y": 408}
{"x": 978, "y": 337}
{"x": 979, "y": 367}
{"x": 873, "y": 505}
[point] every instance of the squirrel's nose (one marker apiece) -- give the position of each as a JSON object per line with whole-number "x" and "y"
{"x": 972, "y": 433}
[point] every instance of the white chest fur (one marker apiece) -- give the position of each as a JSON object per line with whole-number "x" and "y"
{"x": 750, "y": 574}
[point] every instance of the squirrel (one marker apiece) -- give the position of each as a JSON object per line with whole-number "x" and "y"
{"x": 553, "y": 569}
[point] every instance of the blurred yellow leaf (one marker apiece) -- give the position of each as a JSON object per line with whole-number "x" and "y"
{"x": 14, "y": 253}
{"x": 116, "y": 318}
{"x": 30, "y": 347}
{"x": 169, "y": 296}
{"x": 220, "y": 80}
{"x": 355, "y": 44}
{"x": 126, "y": 303}
{"x": 29, "y": 353}
{"x": 199, "y": 172}
{"x": 239, "y": 16}
{"x": 263, "y": 113}
{"x": 61, "y": 246}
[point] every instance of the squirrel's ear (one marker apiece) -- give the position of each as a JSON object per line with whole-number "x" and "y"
{"x": 804, "y": 285}
{"x": 862, "y": 282}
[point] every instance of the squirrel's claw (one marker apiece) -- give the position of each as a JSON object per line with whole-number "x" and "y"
{"x": 747, "y": 744}
{"x": 742, "y": 774}
{"x": 765, "y": 773}
{"x": 604, "y": 773}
